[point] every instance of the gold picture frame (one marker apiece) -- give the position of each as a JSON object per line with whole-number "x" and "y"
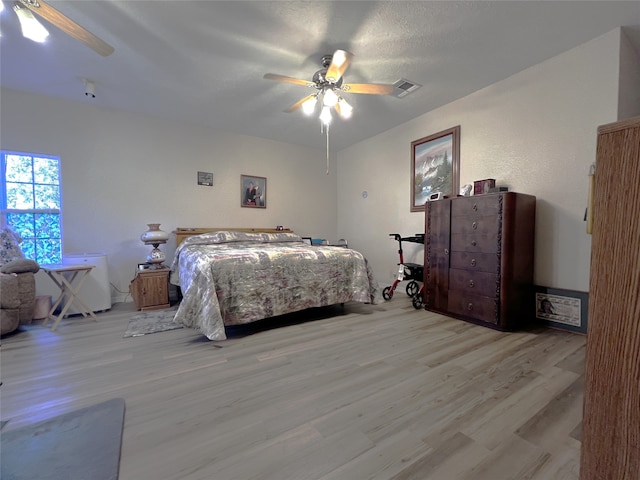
{"x": 435, "y": 167}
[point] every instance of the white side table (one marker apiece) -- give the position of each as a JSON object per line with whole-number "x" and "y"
{"x": 64, "y": 276}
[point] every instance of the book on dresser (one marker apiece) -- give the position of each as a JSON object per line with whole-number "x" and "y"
{"x": 478, "y": 258}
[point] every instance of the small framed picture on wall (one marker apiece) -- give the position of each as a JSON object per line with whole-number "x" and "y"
{"x": 205, "y": 178}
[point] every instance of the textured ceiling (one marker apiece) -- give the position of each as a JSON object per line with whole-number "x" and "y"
{"x": 202, "y": 62}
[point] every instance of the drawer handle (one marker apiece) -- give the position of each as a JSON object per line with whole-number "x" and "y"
{"x": 475, "y": 207}
{"x": 470, "y": 306}
{"x": 474, "y": 225}
{"x": 473, "y": 262}
{"x": 446, "y": 251}
{"x": 472, "y": 283}
{"x": 474, "y": 243}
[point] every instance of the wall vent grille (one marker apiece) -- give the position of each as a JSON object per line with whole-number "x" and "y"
{"x": 404, "y": 87}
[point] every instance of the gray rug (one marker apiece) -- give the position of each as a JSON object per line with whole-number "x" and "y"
{"x": 80, "y": 445}
{"x": 152, "y": 321}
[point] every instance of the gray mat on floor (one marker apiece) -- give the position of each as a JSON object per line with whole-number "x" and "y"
{"x": 152, "y": 321}
{"x": 80, "y": 445}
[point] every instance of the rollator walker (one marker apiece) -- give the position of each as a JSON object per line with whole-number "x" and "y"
{"x": 407, "y": 271}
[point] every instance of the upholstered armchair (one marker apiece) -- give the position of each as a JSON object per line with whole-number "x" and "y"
{"x": 17, "y": 284}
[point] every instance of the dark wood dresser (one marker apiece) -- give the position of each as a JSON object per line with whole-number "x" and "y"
{"x": 479, "y": 258}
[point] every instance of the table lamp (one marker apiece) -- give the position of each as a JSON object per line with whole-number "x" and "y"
{"x": 154, "y": 236}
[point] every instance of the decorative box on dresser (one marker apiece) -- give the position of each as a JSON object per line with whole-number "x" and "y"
{"x": 150, "y": 289}
{"x": 479, "y": 258}
{"x": 611, "y": 414}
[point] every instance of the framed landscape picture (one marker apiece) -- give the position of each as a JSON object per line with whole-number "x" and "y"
{"x": 435, "y": 167}
{"x": 253, "y": 191}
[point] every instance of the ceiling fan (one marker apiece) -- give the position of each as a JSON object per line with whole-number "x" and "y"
{"x": 329, "y": 83}
{"x": 34, "y": 30}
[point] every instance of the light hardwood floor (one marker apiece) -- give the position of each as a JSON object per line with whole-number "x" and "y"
{"x": 368, "y": 392}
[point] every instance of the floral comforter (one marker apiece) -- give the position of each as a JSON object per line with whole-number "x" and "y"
{"x": 232, "y": 278}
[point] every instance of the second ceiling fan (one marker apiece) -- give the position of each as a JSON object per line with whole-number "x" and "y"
{"x": 32, "y": 29}
{"x": 328, "y": 81}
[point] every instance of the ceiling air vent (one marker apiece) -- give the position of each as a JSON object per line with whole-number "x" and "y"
{"x": 404, "y": 87}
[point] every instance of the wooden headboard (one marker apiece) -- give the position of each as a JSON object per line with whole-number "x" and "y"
{"x": 182, "y": 233}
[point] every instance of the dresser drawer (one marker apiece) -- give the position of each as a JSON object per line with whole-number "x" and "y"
{"x": 483, "y": 205}
{"x": 479, "y": 262}
{"x": 476, "y": 225}
{"x": 476, "y": 307}
{"x": 474, "y": 242}
{"x": 474, "y": 283}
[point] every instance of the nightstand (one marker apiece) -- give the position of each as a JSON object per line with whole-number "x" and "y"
{"x": 150, "y": 289}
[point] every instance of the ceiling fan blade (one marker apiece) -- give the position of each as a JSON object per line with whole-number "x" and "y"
{"x": 282, "y": 78}
{"x": 68, "y": 26}
{"x": 370, "y": 88}
{"x": 339, "y": 64}
{"x": 299, "y": 103}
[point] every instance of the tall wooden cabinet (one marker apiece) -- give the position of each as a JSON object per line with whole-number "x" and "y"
{"x": 611, "y": 415}
{"x": 479, "y": 258}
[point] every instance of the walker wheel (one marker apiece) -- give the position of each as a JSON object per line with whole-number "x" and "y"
{"x": 417, "y": 301}
{"x": 412, "y": 288}
{"x": 387, "y": 293}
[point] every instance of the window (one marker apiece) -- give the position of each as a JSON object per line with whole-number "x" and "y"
{"x": 31, "y": 203}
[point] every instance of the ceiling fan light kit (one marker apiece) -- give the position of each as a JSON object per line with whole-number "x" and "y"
{"x": 31, "y": 27}
{"x": 34, "y": 30}
{"x": 329, "y": 83}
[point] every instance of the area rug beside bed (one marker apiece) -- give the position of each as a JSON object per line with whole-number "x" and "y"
{"x": 80, "y": 445}
{"x": 153, "y": 321}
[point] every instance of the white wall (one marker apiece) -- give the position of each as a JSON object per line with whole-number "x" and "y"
{"x": 534, "y": 132}
{"x": 121, "y": 171}
{"x": 629, "y": 95}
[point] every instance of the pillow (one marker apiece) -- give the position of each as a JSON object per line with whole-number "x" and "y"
{"x": 9, "y": 246}
{"x": 21, "y": 265}
{"x": 237, "y": 237}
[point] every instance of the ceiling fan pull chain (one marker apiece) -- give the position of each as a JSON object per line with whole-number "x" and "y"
{"x": 327, "y": 131}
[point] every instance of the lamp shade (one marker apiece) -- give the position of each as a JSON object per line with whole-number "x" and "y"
{"x": 325, "y": 115}
{"x": 154, "y": 236}
{"x": 330, "y": 98}
{"x": 343, "y": 108}
{"x": 309, "y": 105}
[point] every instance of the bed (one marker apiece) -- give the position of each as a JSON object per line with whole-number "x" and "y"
{"x": 232, "y": 277}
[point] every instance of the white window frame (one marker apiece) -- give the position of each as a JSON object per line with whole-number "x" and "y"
{"x": 3, "y": 197}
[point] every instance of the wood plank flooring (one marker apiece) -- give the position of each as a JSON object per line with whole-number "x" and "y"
{"x": 364, "y": 392}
